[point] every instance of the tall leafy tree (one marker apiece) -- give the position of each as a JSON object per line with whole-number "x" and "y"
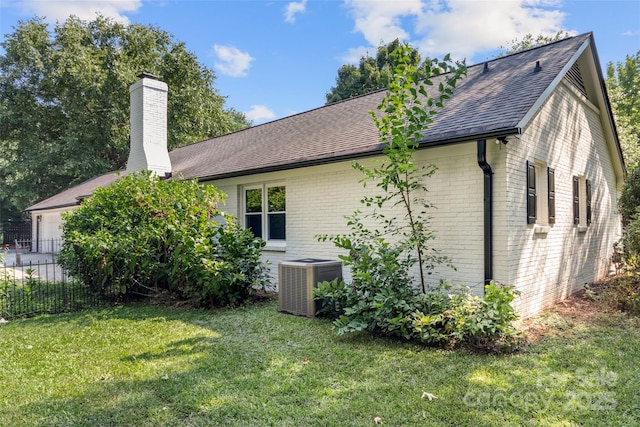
{"x": 528, "y": 41}
{"x": 64, "y": 102}
{"x": 371, "y": 73}
{"x": 623, "y": 85}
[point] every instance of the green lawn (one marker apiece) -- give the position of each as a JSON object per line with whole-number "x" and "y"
{"x": 152, "y": 366}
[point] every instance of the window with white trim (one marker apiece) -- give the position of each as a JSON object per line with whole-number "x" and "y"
{"x": 541, "y": 195}
{"x": 581, "y": 201}
{"x": 265, "y": 211}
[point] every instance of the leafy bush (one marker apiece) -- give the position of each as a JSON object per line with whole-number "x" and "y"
{"x": 619, "y": 293}
{"x": 631, "y": 241}
{"x": 381, "y": 297}
{"x": 629, "y": 205}
{"x": 143, "y": 236}
{"x": 630, "y": 196}
{"x": 443, "y": 316}
{"x": 485, "y": 322}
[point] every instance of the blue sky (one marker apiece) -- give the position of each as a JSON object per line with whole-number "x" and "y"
{"x": 277, "y": 58}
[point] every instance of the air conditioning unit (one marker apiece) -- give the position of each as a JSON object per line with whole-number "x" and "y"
{"x": 298, "y": 278}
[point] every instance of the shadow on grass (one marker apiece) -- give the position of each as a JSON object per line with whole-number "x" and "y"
{"x": 254, "y": 366}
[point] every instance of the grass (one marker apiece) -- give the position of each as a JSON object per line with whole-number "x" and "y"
{"x": 145, "y": 365}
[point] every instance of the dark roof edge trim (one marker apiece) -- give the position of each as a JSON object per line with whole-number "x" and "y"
{"x": 605, "y": 94}
{"x": 353, "y": 156}
{"x": 46, "y": 208}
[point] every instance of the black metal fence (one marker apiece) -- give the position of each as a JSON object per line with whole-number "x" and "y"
{"x": 38, "y": 285}
{"x": 15, "y": 230}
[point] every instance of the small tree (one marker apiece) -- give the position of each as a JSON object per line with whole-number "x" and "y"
{"x": 145, "y": 235}
{"x": 408, "y": 110}
{"x": 381, "y": 297}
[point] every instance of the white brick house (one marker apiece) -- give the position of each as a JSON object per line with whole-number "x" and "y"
{"x": 529, "y": 173}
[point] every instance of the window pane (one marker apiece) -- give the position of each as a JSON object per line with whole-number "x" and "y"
{"x": 253, "y": 200}
{"x": 277, "y": 225}
{"x": 254, "y": 223}
{"x": 276, "y": 197}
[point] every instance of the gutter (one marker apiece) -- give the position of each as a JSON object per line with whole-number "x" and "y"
{"x": 488, "y": 209}
{"x": 488, "y": 203}
{"x": 346, "y": 156}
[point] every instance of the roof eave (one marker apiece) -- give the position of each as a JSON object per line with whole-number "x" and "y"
{"x": 552, "y": 87}
{"x": 512, "y": 131}
{"x": 47, "y": 208}
{"x": 613, "y": 140}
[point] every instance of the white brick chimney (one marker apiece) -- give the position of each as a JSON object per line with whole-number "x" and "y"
{"x": 148, "y": 126}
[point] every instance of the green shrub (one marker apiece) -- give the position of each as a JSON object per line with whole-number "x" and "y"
{"x": 444, "y": 316}
{"x": 618, "y": 293}
{"x": 631, "y": 241}
{"x": 143, "y": 235}
{"x": 629, "y": 205}
{"x": 630, "y": 196}
{"x": 381, "y": 249}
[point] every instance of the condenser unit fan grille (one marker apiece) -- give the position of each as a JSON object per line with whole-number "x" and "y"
{"x": 298, "y": 279}
{"x": 294, "y": 290}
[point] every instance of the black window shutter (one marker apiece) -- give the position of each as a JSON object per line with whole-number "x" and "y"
{"x": 588, "y": 202}
{"x": 576, "y": 200}
{"x": 551, "y": 194}
{"x": 531, "y": 192}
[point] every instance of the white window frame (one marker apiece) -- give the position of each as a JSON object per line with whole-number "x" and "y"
{"x": 542, "y": 221}
{"x": 585, "y": 208}
{"x": 542, "y": 185}
{"x": 272, "y": 244}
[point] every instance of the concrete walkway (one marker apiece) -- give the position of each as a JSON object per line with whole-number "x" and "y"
{"x": 18, "y": 265}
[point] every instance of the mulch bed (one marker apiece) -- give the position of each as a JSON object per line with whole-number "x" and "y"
{"x": 593, "y": 305}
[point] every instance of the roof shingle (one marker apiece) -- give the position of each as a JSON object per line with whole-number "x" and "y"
{"x": 483, "y": 104}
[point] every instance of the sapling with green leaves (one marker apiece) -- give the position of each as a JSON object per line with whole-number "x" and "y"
{"x": 390, "y": 235}
{"x": 407, "y": 110}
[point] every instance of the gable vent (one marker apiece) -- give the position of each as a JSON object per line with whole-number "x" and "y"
{"x": 574, "y": 76}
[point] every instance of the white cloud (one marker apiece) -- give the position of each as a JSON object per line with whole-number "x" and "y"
{"x": 630, "y": 33}
{"x": 260, "y": 113}
{"x": 59, "y": 10}
{"x": 459, "y": 27}
{"x": 353, "y": 55}
{"x": 231, "y": 61}
{"x": 293, "y": 9}
{"x": 380, "y": 21}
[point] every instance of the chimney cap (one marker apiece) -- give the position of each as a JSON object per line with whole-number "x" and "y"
{"x": 145, "y": 75}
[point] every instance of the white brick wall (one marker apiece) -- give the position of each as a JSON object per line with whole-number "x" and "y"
{"x": 319, "y": 197}
{"x": 567, "y": 135}
{"x": 148, "y": 127}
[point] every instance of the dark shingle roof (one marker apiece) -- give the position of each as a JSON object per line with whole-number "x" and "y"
{"x": 490, "y": 104}
{"x": 73, "y": 195}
